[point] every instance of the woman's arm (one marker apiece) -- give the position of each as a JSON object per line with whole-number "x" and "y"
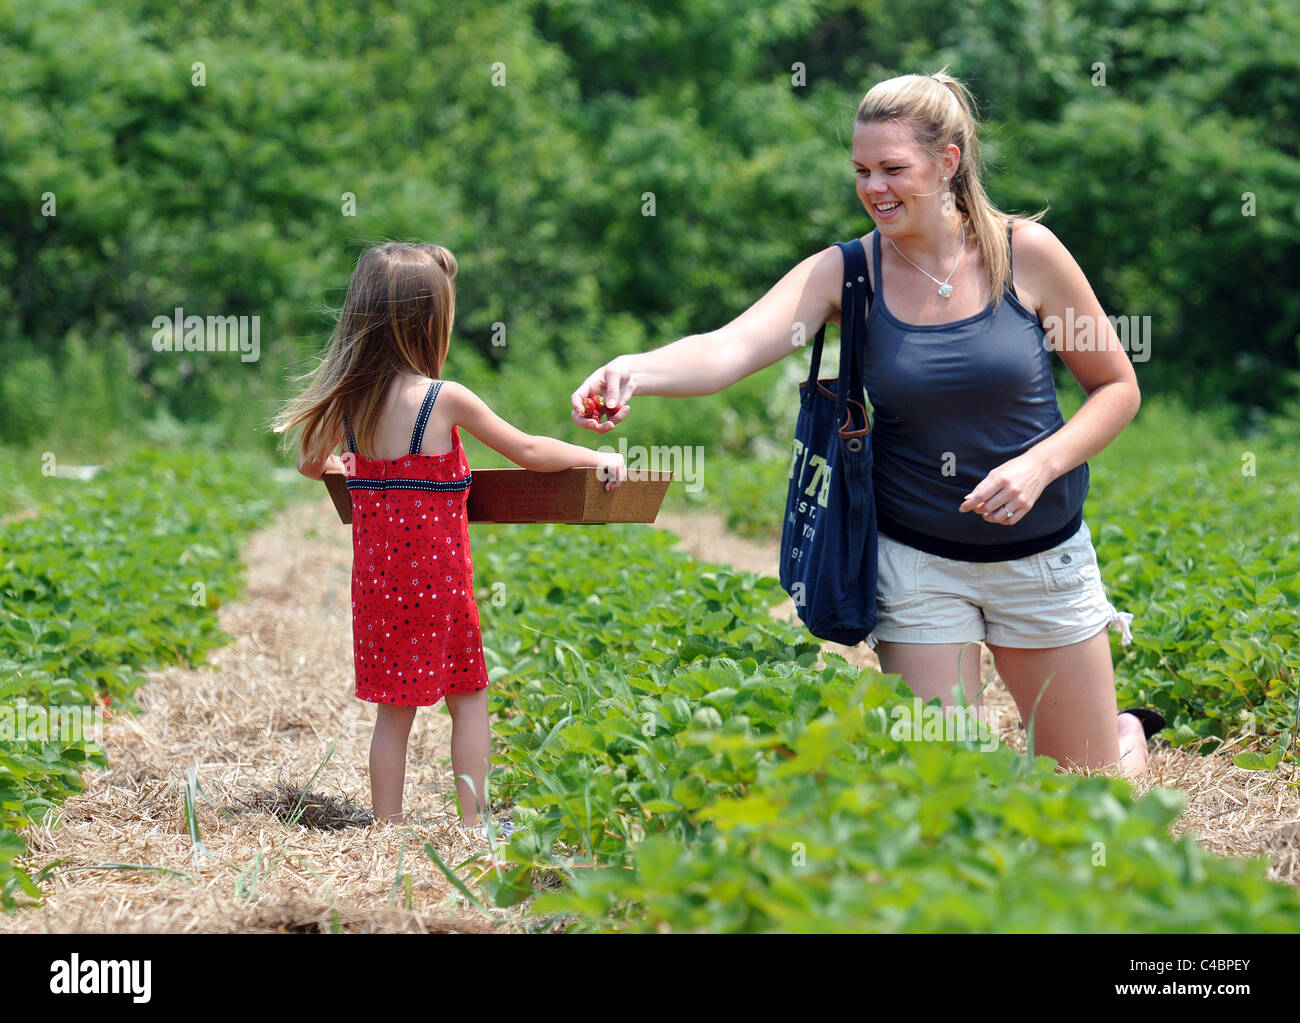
{"x": 1059, "y": 288}
{"x": 531, "y": 451}
{"x": 1105, "y": 373}
{"x": 708, "y": 363}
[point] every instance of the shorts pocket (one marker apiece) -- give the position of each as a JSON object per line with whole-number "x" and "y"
{"x": 898, "y": 577}
{"x": 1070, "y": 566}
{"x": 1061, "y": 571}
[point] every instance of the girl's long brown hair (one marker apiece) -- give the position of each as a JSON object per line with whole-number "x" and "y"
{"x": 940, "y": 111}
{"x": 397, "y": 291}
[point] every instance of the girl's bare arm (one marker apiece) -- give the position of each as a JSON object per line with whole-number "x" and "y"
{"x": 531, "y": 451}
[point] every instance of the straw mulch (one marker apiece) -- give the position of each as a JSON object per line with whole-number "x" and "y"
{"x": 1233, "y": 813}
{"x": 254, "y": 728}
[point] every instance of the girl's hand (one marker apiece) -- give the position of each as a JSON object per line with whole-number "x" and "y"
{"x": 1012, "y": 487}
{"x": 613, "y": 382}
{"x": 610, "y": 467}
{"x": 317, "y": 470}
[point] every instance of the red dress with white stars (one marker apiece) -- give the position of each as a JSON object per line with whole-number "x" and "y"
{"x": 415, "y": 625}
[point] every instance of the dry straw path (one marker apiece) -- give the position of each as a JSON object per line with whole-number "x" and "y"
{"x": 254, "y": 726}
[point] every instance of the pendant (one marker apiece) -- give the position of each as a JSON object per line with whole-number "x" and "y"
{"x": 945, "y": 289}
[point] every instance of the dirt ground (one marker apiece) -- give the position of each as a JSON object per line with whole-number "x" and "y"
{"x": 246, "y": 734}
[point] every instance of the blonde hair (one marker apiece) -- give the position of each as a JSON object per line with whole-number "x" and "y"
{"x": 940, "y": 111}
{"x": 396, "y": 292}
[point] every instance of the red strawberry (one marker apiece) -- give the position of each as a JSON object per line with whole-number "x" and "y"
{"x": 595, "y": 408}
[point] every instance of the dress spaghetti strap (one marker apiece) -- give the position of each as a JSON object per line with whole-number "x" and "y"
{"x": 875, "y": 264}
{"x": 422, "y": 420}
{"x": 417, "y": 435}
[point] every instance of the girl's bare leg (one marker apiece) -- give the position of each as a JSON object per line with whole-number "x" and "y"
{"x": 470, "y": 748}
{"x": 388, "y": 759}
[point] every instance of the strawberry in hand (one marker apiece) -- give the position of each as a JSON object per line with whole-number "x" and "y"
{"x": 595, "y": 408}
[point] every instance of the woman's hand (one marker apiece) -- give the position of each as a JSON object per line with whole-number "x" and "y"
{"x": 613, "y": 383}
{"x": 1005, "y": 496}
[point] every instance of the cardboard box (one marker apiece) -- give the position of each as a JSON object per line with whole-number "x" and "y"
{"x": 574, "y": 496}
{"x": 337, "y": 485}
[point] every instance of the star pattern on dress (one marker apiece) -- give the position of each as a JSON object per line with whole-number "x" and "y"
{"x": 395, "y": 535}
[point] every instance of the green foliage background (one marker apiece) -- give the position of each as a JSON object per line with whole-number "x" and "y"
{"x": 226, "y": 198}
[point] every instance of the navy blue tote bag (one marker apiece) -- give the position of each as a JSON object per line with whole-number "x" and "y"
{"x": 828, "y": 537}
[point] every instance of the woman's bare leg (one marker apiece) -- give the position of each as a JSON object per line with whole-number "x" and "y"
{"x": 1133, "y": 752}
{"x": 1076, "y": 720}
{"x": 930, "y": 669}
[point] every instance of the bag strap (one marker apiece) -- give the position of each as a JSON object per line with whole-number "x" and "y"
{"x": 855, "y": 295}
{"x": 810, "y": 387}
{"x": 853, "y": 320}
{"x": 859, "y": 253}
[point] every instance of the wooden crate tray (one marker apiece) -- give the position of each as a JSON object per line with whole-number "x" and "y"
{"x": 574, "y": 496}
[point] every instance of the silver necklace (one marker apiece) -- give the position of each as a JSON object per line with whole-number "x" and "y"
{"x": 945, "y": 289}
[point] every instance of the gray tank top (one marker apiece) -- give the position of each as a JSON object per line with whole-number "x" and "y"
{"x": 953, "y": 401}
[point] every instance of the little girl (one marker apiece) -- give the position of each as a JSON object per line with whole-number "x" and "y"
{"x": 415, "y": 625}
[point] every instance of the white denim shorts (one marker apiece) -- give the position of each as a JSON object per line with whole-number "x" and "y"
{"x": 1049, "y": 599}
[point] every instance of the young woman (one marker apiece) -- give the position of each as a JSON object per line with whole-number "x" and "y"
{"x": 979, "y": 481}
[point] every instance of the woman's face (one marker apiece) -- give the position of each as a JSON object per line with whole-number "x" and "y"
{"x": 899, "y": 183}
